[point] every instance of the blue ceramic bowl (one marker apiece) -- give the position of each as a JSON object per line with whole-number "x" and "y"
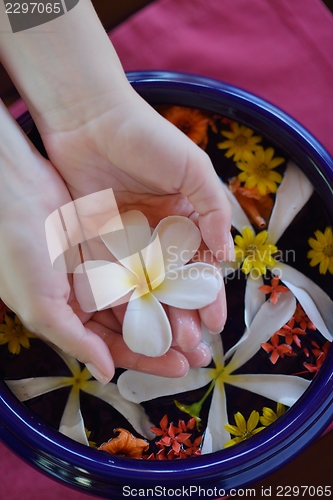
{"x": 233, "y": 468}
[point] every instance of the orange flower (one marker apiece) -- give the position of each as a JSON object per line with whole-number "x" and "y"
{"x": 277, "y": 351}
{"x": 125, "y": 445}
{"x": 193, "y": 122}
{"x": 256, "y": 206}
{"x": 163, "y": 430}
{"x": 303, "y": 320}
{"x": 175, "y": 441}
{"x": 321, "y": 356}
{"x": 291, "y": 333}
{"x": 274, "y": 289}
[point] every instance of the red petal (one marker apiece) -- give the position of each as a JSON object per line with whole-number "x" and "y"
{"x": 274, "y": 357}
{"x": 265, "y": 289}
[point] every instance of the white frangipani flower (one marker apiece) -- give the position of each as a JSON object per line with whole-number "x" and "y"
{"x": 293, "y": 193}
{"x": 150, "y": 270}
{"x": 72, "y": 424}
{"x": 286, "y": 389}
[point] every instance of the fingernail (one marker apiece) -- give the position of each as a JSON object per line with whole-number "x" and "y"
{"x": 97, "y": 374}
{"x": 206, "y": 353}
{"x": 230, "y": 250}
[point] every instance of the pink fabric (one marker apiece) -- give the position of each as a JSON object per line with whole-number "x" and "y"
{"x": 21, "y": 482}
{"x": 280, "y": 50}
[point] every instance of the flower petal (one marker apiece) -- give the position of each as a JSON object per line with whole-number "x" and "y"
{"x": 240, "y": 422}
{"x": 190, "y": 287}
{"x": 217, "y": 419}
{"x": 293, "y": 193}
{"x": 107, "y": 283}
{"x": 253, "y": 421}
{"x": 71, "y": 423}
{"x": 138, "y": 387}
{"x": 239, "y": 218}
{"x": 72, "y": 363}
{"x": 180, "y": 238}
{"x": 154, "y": 262}
{"x": 269, "y": 319}
{"x": 146, "y": 328}
{"x": 133, "y": 412}
{"x": 132, "y": 239}
{"x": 29, "y": 388}
{"x": 254, "y": 299}
{"x": 285, "y": 389}
{"x": 316, "y": 303}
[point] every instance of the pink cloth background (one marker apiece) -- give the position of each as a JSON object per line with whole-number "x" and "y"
{"x": 280, "y": 50}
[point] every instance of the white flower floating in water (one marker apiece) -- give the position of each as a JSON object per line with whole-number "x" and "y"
{"x": 256, "y": 253}
{"x": 150, "y": 270}
{"x": 285, "y": 389}
{"x": 72, "y": 424}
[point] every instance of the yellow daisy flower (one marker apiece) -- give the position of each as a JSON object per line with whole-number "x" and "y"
{"x": 240, "y": 140}
{"x": 257, "y": 170}
{"x": 253, "y": 251}
{"x": 269, "y": 416}
{"x": 15, "y": 334}
{"x": 322, "y": 251}
{"x": 243, "y": 430}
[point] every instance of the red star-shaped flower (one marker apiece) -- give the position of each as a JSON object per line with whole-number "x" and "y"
{"x": 274, "y": 289}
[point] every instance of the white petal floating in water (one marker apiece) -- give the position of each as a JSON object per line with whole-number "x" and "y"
{"x": 293, "y": 193}
{"x": 138, "y": 387}
{"x": 285, "y": 389}
{"x": 217, "y": 419}
{"x": 29, "y": 388}
{"x": 316, "y": 303}
{"x": 133, "y": 412}
{"x": 269, "y": 319}
{"x": 239, "y": 218}
{"x": 71, "y": 424}
{"x": 254, "y": 299}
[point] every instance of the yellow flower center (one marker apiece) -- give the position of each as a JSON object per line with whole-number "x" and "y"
{"x": 17, "y": 332}
{"x": 251, "y": 251}
{"x": 79, "y": 379}
{"x": 262, "y": 170}
{"x": 328, "y": 250}
{"x": 241, "y": 140}
{"x": 144, "y": 285}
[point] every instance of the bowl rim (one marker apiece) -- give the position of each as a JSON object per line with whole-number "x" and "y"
{"x": 45, "y": 448}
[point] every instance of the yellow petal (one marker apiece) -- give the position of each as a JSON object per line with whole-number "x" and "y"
{"x": 253, "y": 421}
{"x": 240, "y": 422}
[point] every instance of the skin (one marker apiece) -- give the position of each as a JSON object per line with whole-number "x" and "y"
{"x": 98, "y": 133}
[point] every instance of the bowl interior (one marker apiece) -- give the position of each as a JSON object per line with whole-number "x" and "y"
{"x": 34, "y": 424}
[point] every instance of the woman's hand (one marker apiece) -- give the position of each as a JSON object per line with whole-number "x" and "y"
{"x": 152, "y": 167}
{"x": 31, "y": 189}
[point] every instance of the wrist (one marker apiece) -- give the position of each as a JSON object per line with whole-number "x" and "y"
{"x": 66, "y": 70}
